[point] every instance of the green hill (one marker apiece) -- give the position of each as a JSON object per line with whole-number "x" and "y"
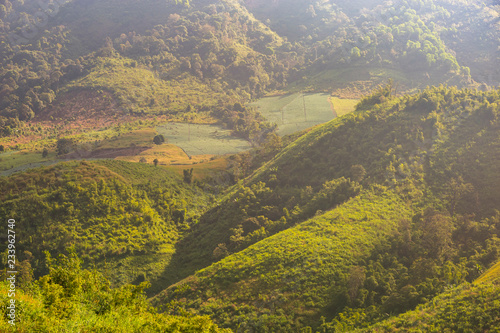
{"x": 392, "y": 209}
{"x": 294, "y": 277}
{"x": 110, "y": 212}
{"x": 400, "y": 143}
{"x": 492, "y": 275}
{"x": 363, "y": 217}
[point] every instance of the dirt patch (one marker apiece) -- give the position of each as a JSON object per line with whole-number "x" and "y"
{"x": 87, "y": 107}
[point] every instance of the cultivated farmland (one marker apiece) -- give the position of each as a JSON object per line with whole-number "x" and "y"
{"x": 199, "y": 139}
{"x": 296, "y": 112}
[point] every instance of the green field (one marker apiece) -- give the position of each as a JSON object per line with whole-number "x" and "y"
{"x": 296, "y": 112}
{"x": 196, "y": 139}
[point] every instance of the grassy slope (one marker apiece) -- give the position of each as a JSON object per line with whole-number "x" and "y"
{"x": 296, "y": 275}
{"x": 492, "y": 275}
{"x": 392, "y": 141}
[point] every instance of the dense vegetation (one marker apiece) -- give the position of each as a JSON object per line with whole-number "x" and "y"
{"x": 400, "y": 143}
{"x": 106, "y": 211}
{"x": 198, "y": 55}
{"x": 384, "y": 219}
{"x": 73, "y": 299}
{"x": 399, "y": 204}
{"x": 468, "y": 307}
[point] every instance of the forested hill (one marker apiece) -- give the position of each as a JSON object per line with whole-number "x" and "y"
{"x": 385, "y": 217}
{"x": 365, "y": 216}
{"x": 207, "y": 53}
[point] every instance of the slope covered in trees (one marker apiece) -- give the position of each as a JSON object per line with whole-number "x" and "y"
{"x": 366, "y": 216}
{"x": 219, "y": 48}
{"x": 110, "y": 212}
{"x": 398, "y": 145}
{"x": 469, "y": 307}
{"x": 389, "y": 208}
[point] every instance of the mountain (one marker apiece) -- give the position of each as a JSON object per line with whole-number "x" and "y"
{"x": 413, "y": 157}
{"x": 109, "y": 212}
{"x": 386, "y": 218}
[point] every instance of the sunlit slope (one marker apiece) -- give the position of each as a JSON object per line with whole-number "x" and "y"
{"x": 391, "y": 144}
{"x": 137, "y": 89}
{"x": 295, "y": 276}
{"x": 432, "y": 138}
{"x": 491, "y": 275}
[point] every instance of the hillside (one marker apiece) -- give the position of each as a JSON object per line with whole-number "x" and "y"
{"x": 468, "y": 307}
{"x": 110, "y": 212}
{"x": 76, "y": 299}
{"x": 402, "y": 144}
{"x": 133, "y": 149}
{"x": 375, "y": 212}
{"x": 160, "y": 64}
{"x": 292, "y": 278}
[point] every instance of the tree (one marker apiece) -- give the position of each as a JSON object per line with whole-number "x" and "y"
{"x": 64, "y": 146}
{"x": 436, "y": 238}
{"x": 188, "y": 175}
{"x": 355, "y": 53}
{"x": 159, "y": 139}
{"x": 358, "y": 172}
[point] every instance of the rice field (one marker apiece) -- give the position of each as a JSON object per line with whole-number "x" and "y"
{"x": 296, "y": 112}
{"x": 201, "y": 139}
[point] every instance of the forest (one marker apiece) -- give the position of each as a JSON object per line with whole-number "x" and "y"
{"x": 384, "y": 219}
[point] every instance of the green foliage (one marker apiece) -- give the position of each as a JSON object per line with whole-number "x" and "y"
{"x": 303, "y": 265}
{"x": 465, "y": 308}
{"x": 188, "y": 175}
{"x": 64, "y": 146}
{"x": 76, "y": 299}
{"x": 159, "y": 139}
{"x": 90, "y": 207}
{"x": 393, "y": 142}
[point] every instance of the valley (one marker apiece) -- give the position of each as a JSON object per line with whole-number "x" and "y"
{"x": 250, "y": 166}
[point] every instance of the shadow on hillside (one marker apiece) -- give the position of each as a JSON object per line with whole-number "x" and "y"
{"x": 195, "y": 250}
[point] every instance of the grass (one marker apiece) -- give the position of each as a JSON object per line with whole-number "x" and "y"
{"x": 202, "y": 170}
{"x": 491, "y": 275}
{"x": 199, "y": 139}
{"x": 343, "y": 106}
{"x": 173, "y": 158}
{"x": 296, "y": 112}
{"x": 139, "y": 138}
{"x": 15, "y": 159}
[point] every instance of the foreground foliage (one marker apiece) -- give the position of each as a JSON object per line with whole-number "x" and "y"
{"x": 72, "y": 299}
